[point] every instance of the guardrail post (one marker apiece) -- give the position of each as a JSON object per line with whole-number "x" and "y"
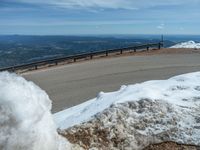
{"x": 121, "y": 51}
{"x": 106, "y": 53}
{"x": 159, "y": 45}
{"x": 134, "y": 49}
{"x": 13, "y": 69}
{"x": 36, "y": 67}
{"x": 147, "y": 48}
{"x": 90, "y": 56}
{"x": 56, "y": 63}
{"x": 74, "y": 59}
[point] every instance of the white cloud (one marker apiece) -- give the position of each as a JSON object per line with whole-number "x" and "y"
{"x": 112, "y": 4}
{"x": 161, "y": 26}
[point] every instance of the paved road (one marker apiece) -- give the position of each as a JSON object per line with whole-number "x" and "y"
{"x": 73, "y": 84}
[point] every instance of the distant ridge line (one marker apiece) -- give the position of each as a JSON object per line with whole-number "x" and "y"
{"x": 55, "y": 61}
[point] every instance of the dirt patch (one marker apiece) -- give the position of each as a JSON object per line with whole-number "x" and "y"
{"x": 84, "y": 137}
{"x": 171, "y": 146}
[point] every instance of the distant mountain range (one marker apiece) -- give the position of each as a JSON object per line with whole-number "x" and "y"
{"x": 18, "y": 49}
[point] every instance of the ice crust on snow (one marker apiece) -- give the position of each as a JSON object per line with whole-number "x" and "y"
{"x": 26, "y": 122}
{"x": 189, "y": 44}
{"x": 159, "y": 109}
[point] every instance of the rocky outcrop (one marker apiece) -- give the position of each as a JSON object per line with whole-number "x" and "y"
{"x": 135, "y": 125}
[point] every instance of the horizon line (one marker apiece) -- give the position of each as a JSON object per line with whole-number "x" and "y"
{"x": 142, "y": 34}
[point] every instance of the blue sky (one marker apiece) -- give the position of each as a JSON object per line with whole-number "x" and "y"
{"x": 74, "y": 17}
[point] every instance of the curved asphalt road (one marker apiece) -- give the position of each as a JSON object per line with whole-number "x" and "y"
{"x": 73, "y": 84}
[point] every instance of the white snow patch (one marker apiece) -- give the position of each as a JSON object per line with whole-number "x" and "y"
{"x": 189, "y": 44}
{"x": 26, "y": 122}
{"x": 181, "y": 92}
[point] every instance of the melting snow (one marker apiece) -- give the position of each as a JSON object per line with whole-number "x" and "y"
{"x": 142, "y": 114}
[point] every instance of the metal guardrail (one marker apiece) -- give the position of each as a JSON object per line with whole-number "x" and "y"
{"x": 55, "y": 61}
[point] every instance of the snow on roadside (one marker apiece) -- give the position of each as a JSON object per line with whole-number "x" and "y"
{"x": 138, "y": 115}
{"x": 189, "y": 44}
{"x": 175, "y": 90}
{"x": 26, "y": 122}
{"x": 131, "y": 118}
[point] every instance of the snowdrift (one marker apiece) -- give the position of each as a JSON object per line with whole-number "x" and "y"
{"x": 25, "y": 121}
{"x": 137, "y": 115}
{"x": 189, "y": 44}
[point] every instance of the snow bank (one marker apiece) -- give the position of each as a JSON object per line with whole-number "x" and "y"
{"x": 189, "y": 44}
{"x": 138, "y": 115}
{"x": 180, "y": 91}
{"x": 25, "y": 121}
